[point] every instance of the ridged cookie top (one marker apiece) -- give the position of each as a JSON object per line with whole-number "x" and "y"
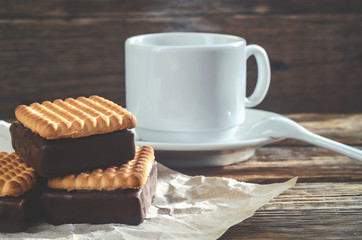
{"x": 73, "y": 118}
{"x": 16, "y": 178}
{"x": 131, "y": 175}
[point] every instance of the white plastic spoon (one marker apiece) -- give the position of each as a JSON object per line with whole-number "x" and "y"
{"x": 278, "y": 126}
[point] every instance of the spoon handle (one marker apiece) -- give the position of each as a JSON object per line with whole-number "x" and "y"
{"x": 331, "y": 145}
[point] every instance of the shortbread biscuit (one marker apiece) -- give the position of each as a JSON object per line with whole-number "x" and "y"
{"x": 131, "y": 175}
{"x": 74, "y": 118}
{"x": 16, "y": 177}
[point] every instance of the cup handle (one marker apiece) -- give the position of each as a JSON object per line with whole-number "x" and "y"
{"x": 263, "y": 81}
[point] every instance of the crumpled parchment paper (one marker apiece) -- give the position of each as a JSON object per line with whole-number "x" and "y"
{"x": 184, "y": 207}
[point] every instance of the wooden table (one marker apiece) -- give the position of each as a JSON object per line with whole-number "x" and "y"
{"x": 326, "y": 202}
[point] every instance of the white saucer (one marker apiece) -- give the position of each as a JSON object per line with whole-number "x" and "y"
{"x": 238, "y": 148}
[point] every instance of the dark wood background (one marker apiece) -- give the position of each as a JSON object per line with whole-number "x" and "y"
{"x": 62, "y": 48}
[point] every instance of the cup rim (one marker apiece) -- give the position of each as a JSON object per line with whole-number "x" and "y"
{"x": 138, "y": 40}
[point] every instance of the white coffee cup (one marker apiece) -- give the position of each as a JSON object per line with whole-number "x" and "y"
{"x": 191, "y": 87}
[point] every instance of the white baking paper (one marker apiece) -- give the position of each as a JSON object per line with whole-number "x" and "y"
{"x": 184, "y": 207}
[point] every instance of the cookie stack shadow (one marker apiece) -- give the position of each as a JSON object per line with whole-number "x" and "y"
{"x": 75, "y": 161}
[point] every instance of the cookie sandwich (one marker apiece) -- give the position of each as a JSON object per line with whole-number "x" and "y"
{"x": 73, "y": 135}
{"x": 19, "y": 194}
{"x": 119, "y": 194}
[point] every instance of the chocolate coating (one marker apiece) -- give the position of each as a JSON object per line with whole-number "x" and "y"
{"x": 59, "y": 157}
{"x": 18, "y": 213}
{"x": 127, "y": 206}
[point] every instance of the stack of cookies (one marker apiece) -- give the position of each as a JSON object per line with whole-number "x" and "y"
{"x": 86, "y": 153}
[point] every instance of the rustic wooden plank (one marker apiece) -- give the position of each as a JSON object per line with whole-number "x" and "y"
{"x": 344, "y": 128}
{"x": 318, "y": 197}
{"x": 272, "y": 164}
{"x": 307, "y": 211}
{"x": 291, "y": 224}
{"x": 115, "y": 9}
{"x": 57, "y": 58}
